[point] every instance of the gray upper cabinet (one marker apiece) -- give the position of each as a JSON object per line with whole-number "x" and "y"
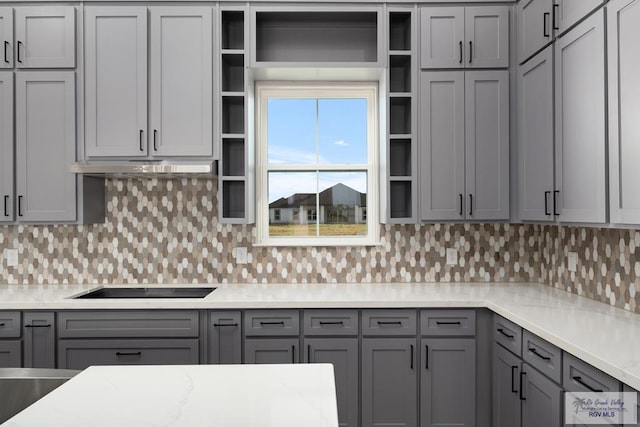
{"x": 45, "y": 146}
{"x": 623, "y": 33}
{"x": 45, "y": 37}
{"x": 458, "y": 37}
{"x": 580, "y": 123}
{"x": 181, "y": 81}
{"x": 115, "y": 81}
{"x": 568, "y": 12}
{"x": 465, "y": 146}
{"x": 39, "y": 332}
{"x": 6, "y": 146}
{"x": 225, "y": 337}
{"x": 6, "y": 37}
{"x": 535, "y": 137}
{"x": 533, "y": 27}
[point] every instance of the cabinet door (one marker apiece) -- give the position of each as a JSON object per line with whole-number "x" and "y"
{"x": 342, "y": 353}
{"x": 10, "y": 354}
{"x": 271, "y": 350}
{"x": 580, "y": 128}
{"x": 448, "y": 382}
{"x": 115, "y": 81}
{"x": 442, "y": 145}
{"x": 533, "y": 27}
{"x": 624, "y": 109}
{"x": 442, "y": 36}
{"x": 225, "y": 337}
{"x": 506, "y": 388}
{"x": 487, "y": 36}
{"x": 535, "y": 137}
{"x": 487, "y": 144}
{"x": 45, "y": 146}
{"x": 6, "y": 36}
{"x": 46, "y": 37}
{"x": 568, "y": 12}
{"x": 6, "y": 146}
{"x": 181, "y": 81}
{"x": 541, "y": 400}
{"x": 389, "y": 382}
{"x": 39, "y": 340}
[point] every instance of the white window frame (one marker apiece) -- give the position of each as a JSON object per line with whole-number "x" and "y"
{"x": 333, "y": 90}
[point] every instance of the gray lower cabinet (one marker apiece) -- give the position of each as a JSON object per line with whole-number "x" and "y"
{"x": 225, "y": 337}
{"x": 79, "y": 354}
{"x": 541, "y": 399}
{"x": 342, "y": 353}
{"x": 10, "y": 354}
{"x": 448, "y": 382}
{"x": 39, "y": 340}
{"x": 389, "y": 382}
{"x": 506, "y": 388}
{"x": 271, "y": 350}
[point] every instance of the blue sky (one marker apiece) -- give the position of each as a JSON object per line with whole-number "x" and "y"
{"x": 294, "y": 136}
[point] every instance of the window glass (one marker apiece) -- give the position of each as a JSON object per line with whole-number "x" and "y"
{"x": 342, "y": 128}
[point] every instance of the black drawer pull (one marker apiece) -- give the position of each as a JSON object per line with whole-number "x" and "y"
{"x": 534, "y": 351}
{"x": 513, "y": 377}
{"x": 277, "y": 322}
{"x": 522, "y": 375}
{"x": 141, "y": 140}
{"x": 331, "y": 322}
{"x": 18, "y": 56}
{"x": 545, "y": 31}
{"x": 411, "y": 364}
{"x": 6, "y": 205}
{"x": 460, "y": 61}
{"x": 439, "y": 322}
{"x": 293, "y": 354}
{"x": 505, "y": 334}
{"x": 217, "y": 325}
{"x": 2, "y": 325}
{"x": 309, "y": 353}
{"x": 6, "y": 48}
{"x": 546, "y": 202}
{"x": 37, "y": 326}
{"x": 426, "y": 356}
{"x": 582, "y": 383}
{"x": 389, "y": 322}
{"x": 19, "y": 205}
{"x": 128, "y": 353}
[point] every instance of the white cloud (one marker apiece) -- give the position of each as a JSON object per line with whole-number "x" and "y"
{"x": 341, "y": 143}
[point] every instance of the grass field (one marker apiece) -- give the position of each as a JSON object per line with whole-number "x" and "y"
{"x": 325, "y": 230}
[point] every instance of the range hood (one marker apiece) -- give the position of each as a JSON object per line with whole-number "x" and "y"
{"x": 147, "y": 169}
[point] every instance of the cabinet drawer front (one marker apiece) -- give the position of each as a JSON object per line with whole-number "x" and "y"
{"x": 544, "y": 356}
{"x": 10, "y": 324}
{"x": 10, "y": 354}
{"x": 79, "y": 354}
{"x": 260, "y": 323}
{"x": 331, "y": 322}
{"x": 448, "y": 322}
{"x": 128, "y": 324}
{"x": 507, "y": 334}
{"x": 389, "y": 322}
{"x": 580, "y": 376}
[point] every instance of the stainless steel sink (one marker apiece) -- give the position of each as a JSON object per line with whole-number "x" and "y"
{"x": 162, "y": 292}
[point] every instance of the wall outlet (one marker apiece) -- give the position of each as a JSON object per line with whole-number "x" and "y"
{"x": 241, "y": 255}
{"x": 11, "y": 255}
{"x": 572, "y": 261}
{"x": 452, "y": 256}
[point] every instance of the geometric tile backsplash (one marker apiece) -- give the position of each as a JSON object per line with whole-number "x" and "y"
{"x": 166, "y": 231}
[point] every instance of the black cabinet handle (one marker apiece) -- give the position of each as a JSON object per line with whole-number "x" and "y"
{"x": 582, "y": 383}
{"x": 556, "y": 7}
{"x": 141, "y": 142}
{"x": 470, "y": 51}
{"x": 37, "y": 326}
{"x": 426, "y": 357}
{"x": 309, "y": 353}
{"x": 293, "y": 354}
{"x": 470, "y": 204}
{"x": 6, "y": 50}
{"x": 556, "y": 192}
{"x": 155, "y": 140}
{"x": 546, "y": 202}
{"x": 411, "y": 364}
{"x": 460, "y": 61}
{"x": 545, "y": 19}
{"x": 389, "y": 322}
{"x": 128, "y": 353}
{"x": 461, "y": 202}
{"x": 6, "y": 205}
{"x": 440, "y": 322}
{"x": 522, "y": 375}
{"x": 2, "y": 325}
{"x": 278, "y": 322}
{"x": 513, "y": 377}
{"x": 18, "y": 53}
{"x": 504, "y": 333}
{"x": 217, "y": 325}
{"x": 19, "y": 205}
{"x": 535, "y": 352}
{"x": 331, "y": 322}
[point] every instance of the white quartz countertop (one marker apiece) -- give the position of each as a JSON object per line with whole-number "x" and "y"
{"x": 190, "y": 396}
{"x": 604, "y": 336}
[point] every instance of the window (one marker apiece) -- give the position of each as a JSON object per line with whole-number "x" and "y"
{"x": 276, "y": 214}
{"x": 316, "y": 146}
